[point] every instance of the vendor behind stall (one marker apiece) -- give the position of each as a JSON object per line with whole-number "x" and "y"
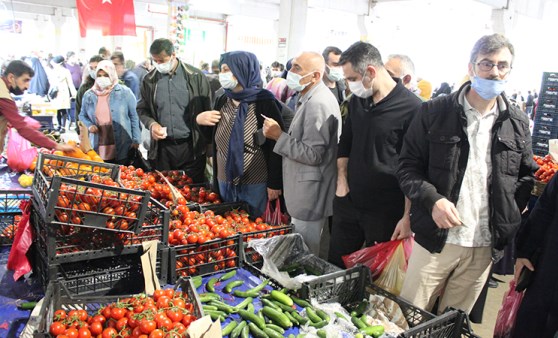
{"x": 16, "y": 80}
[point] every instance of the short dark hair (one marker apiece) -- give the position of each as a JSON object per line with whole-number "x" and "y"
{"x": 360, "y": 55}
{"x": 275, "y": 64}
{"x": 160, "y": 45}
{"x": 95, "y": 58}
{"x": 328, "y": 50}
{"x": 70, "y": 54}
{"x": 490, "y": 44}
{"x": 18, "y": 68}
{"x": 118, "y": 56}
{"x": 103, "y": 50}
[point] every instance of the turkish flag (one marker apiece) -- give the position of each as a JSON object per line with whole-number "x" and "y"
{"x": 112, "y": 17}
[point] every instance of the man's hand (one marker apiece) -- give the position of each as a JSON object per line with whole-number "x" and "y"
{"x": 64, "y": 147}
{"x": 208, "y": 118}
{"x": 135, "y": 145}
{"x": 271, "y": 129}
{"x": 273, "y": 194}
{"x": 93, "y": 129}
{"x": 157, "y": 132}
{"x": 445, "y": 214}
{"x": 342, "y": 188}
{"x": 402, "y": 229}
{"x": 520, "y": 264}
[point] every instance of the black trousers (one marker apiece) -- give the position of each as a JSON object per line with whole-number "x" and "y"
{"x": 352, "y": 227}
{"x": 179, "y": 155}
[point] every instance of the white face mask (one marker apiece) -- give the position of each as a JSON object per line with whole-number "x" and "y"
{"x": 92, "y": 73}
{"x": 227, "y": 81}
{"x": 276, "y": 73}
{"x": 357, "y": 88}
{"x": 293, "y": 81}
{"x": 103, "y": 82}
{"x": 164, "y": 68}
{"x": 335, "y": 74}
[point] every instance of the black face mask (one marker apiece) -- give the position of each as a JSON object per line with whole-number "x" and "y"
{"x": 16, "y": 91}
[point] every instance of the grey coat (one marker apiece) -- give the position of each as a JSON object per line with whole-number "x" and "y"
{"x": 309, "y": 151}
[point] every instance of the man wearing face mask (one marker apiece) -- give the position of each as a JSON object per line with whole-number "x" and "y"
{"x": 369, "y": 206}
{"x": 309, "y": 149}
{"x": 333, "y": 77}
{"x": 15, "y": 80}
{"x": 467, "y": 166}
{"x": 402, "y": 67}
{"x": 172, "y": 95}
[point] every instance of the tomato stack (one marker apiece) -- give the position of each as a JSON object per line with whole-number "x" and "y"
{"x": 547, "y": 168}
{"x": 168, "y": 313}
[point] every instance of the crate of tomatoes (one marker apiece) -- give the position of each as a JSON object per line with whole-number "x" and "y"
{"x": 168, "y": 313}
{"x": 98, "y": 203}
{"x": 10, "y": 213}
{"x": 120, "y": 274}
{"x": 547, "y": 169}
{"x": 64, "y": 243}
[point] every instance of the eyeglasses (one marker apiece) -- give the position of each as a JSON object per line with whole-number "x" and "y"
{"x": 487, "y": 66}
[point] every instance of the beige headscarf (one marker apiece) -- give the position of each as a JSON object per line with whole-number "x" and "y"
{"x": 109, "y": 68}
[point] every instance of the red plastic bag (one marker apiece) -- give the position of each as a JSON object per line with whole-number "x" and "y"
{"x": 20, "y": 152}
{"x": 17, "y": 261}
{"x": 505, "y": 321}
{"x": 274, "y": 215}
{"x": 378, "y": 256}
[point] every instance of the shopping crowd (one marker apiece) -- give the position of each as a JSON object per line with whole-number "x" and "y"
{"x": 353, "y": 145}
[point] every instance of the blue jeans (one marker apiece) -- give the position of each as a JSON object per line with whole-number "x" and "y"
{"x": 253, "y": 194}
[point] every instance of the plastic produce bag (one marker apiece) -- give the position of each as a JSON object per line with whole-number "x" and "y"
{"x": 505, "y": 321}
{"x": 280, "y": 253}
{"x": 391, "y": 279}
{"x": 20, "y": 152}
{"x": 273, "y": 215}
{"x": 17, "y": 261}
{"x": 378, "y": 256}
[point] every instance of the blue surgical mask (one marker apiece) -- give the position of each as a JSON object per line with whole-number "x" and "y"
{"x": 335, "y": 74}
{"x": 227, "y": 80}
{"x": 488, "y": 89}
{"x": 293, "y": 81}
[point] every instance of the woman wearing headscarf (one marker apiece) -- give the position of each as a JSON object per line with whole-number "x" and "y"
{"x": 245, "y": 166}
{"x": 39, "y": 83}
{"x": 109, "y": 112}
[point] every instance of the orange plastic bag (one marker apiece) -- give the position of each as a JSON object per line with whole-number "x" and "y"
{"x": 20, "y": 152}
{"x": 505, "y": 321}
{"x": 17, "y": 261}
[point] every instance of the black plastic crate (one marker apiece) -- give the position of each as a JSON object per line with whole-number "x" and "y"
{"x": 73, "y": 202}
{"x": 549, "y": 89}
{"x": 62, "y": 243}
{"x": 121, "y": 274}
{"x": 548, "y": 102}
{"x": 540, "y": 144}
{"x": 203, "y": 259}
{"x": 53, "y": 165}
{"x": 249, "y": 254}
{"x": 544, "y": 131}
{"x": 349, "y": 287}
{"x": 58, "y": 296}
{"x": 550, "y": 77}
{"x": 222, "y": 208}
{"x": 8, "y": 227}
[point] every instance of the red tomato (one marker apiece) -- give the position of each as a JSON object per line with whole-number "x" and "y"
{"x": 57, "y": 328}
{"x": 99, "y": 318}
{"x": 156, "y": 334}
{"x": 96, "y": 328}
{"x": 175, "y": 315}
{"x": 121, "y": 323}
{"x": 72, "y": 333}
{"x": 179, "y": 303}
{"x": 147, "y": 326}
{"x": 109, "y": 332}
{"x": 84, "y": 333}
{"x": 59, "y": 315}
{"x": 117, "y": 313}
{"x": 165, "y": 324}
{"x": 163, "y": 302}
{"x": 187, "y": 319}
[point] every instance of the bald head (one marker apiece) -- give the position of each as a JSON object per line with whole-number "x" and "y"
{"x": 402, "y": 67}
{"x": 310, "y": 66}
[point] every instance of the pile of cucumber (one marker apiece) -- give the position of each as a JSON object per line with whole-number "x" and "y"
{"x": 277, "y": 314}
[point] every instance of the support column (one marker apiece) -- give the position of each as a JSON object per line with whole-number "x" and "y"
{"x": 283, "y": 31}
{"x": 58, "y": 20}
{"x": 503, "y": 20}
{"x": 297, "y": 27}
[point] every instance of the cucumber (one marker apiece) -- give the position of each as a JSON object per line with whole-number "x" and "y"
{"x": 321, "y": 333}
{"x": 291, "y": 318}
{"x": 284, "y": 307}
{"x": 275, "y": 328}
{"x": 359, "y": 335}
{"x": 257, "y": 331}
{"x": 272, "y": 333}
{"x": 208, "y": 296}
{"x": 291, "y": 335}
{"x": 228, "y": 329}
{"x": 209, "y": 307}
{"x": 246, "y": 294}
{"x": 358, "y": 323}
{"x": 260, "y": 286}
{"x": 281, "y": 298}
{"x": 300, "y": 302}
{"x": 216, "y": 315}
{"x": 374, "y": 331}
{"x": 250, "y": 308}
{"x": 340, "y": 316}
{"x": 238, "y": 329}
{"x": 267, "y": 302}
{"x": 277, "y": 317}
{"x": 318, "y": 325}
{"x": 253, "y": 318}
{"x": 210, "y": 286}
{"x": 359, "y": 310}
{"x": 244, "y": 303}
{"x": 301, "y": 320}
{"x": 197, "y": 281}
{"x": 311, "y": 314}
{"x": 228, "y": 275}
{"x": 223, "y": 307}
{"x": 323, "y": 315}
{"x": 231, "y": 285}
{"x": 245, "y": 332}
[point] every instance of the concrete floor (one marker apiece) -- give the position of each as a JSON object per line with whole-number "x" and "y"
{"x": 491, "y": 308}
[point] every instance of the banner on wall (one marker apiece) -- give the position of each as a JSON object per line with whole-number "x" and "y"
{"x": 11, "y": 26}
{"x": 111, "y": 17}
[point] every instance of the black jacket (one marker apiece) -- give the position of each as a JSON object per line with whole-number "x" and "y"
{"x": 434, "y": 158}
{"x": 200, "y": 101}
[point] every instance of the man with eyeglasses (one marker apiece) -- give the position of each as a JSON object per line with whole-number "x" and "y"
{"x": 467, "y": 166}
